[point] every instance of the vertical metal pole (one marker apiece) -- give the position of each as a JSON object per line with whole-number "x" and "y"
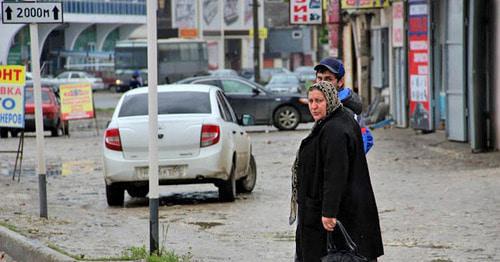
{"x": 199, "y": 18}
{"x": 37, "y": 89}
{"x": 153, "y": 124}
{"x": 256, "y": 40}
{"x": 222, "y": 55}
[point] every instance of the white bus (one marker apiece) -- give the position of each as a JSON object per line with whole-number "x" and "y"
{"x": 177, "y": 59}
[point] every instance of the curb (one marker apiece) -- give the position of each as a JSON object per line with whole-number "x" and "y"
{"x": 20, "y": 248}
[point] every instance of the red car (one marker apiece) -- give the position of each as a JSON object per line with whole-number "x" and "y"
{"x": 51, "y": 114}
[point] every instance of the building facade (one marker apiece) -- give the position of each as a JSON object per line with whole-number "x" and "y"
{"x": 432, "y": 64}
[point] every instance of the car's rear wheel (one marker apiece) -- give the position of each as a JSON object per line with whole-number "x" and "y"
{"x": 14, "y": 133}
{"x": 247, "y": 183}
{"x": 115, "y": 195}
{"x": 286, "y": 118}
{"x": 138, "y": 191}
{"x": 227, "y": 189}
{"x": 4, "y": 133}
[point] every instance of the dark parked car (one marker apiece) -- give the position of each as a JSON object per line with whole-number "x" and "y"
{"x": 284, "y": 83}
{"x": 51, "y": 109}
{"x": 284, "y": 111}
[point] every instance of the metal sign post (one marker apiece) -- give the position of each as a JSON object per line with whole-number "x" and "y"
{"x": 33, "y": 13}
{"x": 153, "y": 125}
{"x": 37, "y": 92}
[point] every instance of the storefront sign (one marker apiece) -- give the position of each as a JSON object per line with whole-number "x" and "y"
{"x": 76, "y": 101}
{"x": 355, "y": 4}
{"x": 418, "y": 66}
{"x": 398, "y": 29}
{"x": 305, "y": 12}
{"x": 12, "y": 80}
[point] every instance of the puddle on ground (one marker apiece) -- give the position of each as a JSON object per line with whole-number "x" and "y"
{"x": 67, "y": 168}
{"x": 184, "y": 198}
{"x": 206, "y": 225}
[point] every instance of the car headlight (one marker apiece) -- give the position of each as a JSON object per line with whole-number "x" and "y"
{"x": 303, "y": 100}
{"x": 118, "y": 82}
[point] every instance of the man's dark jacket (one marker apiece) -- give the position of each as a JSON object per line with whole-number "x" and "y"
{"x": 353, "y": 103}
{"x": 333, "y": 181}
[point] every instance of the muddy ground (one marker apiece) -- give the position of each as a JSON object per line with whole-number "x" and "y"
{"x": 437, "y": 201}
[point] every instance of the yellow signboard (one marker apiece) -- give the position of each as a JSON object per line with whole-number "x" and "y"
{"x": 12, "y": 80}
{"x": 76, "y": 101}
{"x": 262, "y": 33}
{"x": 355, "y": 4}
{"x": 12, "y": 74}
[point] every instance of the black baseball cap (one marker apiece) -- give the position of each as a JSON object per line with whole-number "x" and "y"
{"x": 333, "y": 65}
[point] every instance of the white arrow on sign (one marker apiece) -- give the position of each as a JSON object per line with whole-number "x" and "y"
{"x": 30, "y": 12}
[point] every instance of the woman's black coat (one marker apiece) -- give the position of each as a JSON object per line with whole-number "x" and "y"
{"x": 333, "y": 181}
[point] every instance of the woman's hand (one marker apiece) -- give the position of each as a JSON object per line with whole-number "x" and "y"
{"x": 329, "y": 223}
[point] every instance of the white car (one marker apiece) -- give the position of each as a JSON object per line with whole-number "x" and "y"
{"x": 73, "y": 77}
{"x": 199, "y": 141}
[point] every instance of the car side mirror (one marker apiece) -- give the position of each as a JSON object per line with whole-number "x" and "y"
{"x": 246, "y": 120}
{"x": 255, "y": 91}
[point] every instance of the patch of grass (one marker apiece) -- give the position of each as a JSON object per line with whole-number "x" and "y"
{"x": 136, "y": 253}
{"x": 10, "y": 227}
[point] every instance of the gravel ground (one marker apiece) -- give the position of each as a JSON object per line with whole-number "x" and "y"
{"x": 437, "y": 201}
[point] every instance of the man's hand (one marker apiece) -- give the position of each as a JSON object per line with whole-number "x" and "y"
{"x": 329, "y": 223}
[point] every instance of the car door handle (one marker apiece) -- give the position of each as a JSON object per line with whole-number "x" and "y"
{"x": 234, "y": 132}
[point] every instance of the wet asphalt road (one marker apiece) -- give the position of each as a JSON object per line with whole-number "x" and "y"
{"x": 437, "y": 202}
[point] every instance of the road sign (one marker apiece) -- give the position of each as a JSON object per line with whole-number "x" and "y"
{"x": 32, "y": 12}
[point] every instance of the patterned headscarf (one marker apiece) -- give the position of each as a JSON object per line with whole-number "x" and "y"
{"x": 332, "y": 103}
{"x": 330, "y": 93}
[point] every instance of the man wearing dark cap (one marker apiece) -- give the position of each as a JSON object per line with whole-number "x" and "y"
{"x": 332, "y": 70}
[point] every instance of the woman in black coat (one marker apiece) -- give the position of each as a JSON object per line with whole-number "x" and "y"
{"x": 331, "y": 181}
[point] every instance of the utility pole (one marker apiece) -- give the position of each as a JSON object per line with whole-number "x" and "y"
{"x": 256, "y": 40}
{"x": 152, "y": 7}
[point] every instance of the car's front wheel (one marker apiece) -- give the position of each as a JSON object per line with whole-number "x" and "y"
{"x": 138, "y": 191}
{"x": 4, "y": 133}
{"x": 227, "y": 189}
{"x": 247, "y": 183}
{"x": 115, "y": 194}
{"x": 286, "y": 118}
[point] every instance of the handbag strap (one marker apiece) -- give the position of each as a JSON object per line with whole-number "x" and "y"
{"x": 348, "y": 240}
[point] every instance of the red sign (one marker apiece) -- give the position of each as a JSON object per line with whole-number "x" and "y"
{"x": 306, "y": 12}
{"x": 418, "y": 67}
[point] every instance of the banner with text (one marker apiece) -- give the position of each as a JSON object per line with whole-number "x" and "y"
{"x": 355, "y": 4}
{"x": 12, "y": 79}
{"x": 418, "y": 65}
{"x": 76, "y": 101}
{"x": 306, "y": 12}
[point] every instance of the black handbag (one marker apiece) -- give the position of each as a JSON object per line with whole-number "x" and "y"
{"x": 336, "y": 255}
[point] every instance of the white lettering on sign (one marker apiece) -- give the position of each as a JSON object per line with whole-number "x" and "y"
{"x": 418, "y": 45}
{"x": 423, "y": 70}
{"x": 420, "y": 58}
{"x": 29, "y": 12}
{"x": 418, "y": 9}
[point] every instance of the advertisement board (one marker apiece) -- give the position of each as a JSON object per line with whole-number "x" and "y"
{"x": 306, "y": 12}
{"x": 418, "y": 65}
{"x": 355, "y": 4}
{"x": 76, "y": 101}
{"x": 398, "y": 27}
{"x": 12, "y": 79}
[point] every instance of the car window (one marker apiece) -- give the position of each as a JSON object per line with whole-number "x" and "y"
{"x": 229, "y": 108}
{"x": 75, "y": 75}
{"x": 168, "y": 103}
{"x": 236, "y": 87}
{"x": 224, "y": 113}
{"x": 30, "y": 99}
{"x": 208, "y": 82}
{"x": 63, "y": 75}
